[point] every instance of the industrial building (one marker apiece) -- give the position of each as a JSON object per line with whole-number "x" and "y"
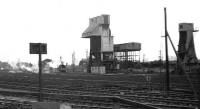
{"x": 186, "y": 48}
{"x": 104, "y": 55}
{"x": 127, "y": 51}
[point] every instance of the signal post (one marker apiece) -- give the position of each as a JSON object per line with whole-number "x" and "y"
{"x": 39, "y": 48}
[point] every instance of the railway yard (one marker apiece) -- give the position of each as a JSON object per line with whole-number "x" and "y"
{"x": 128, "y": 60}
{"x": 92, "y": 91}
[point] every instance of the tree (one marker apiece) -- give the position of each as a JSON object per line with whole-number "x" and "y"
{"x": 5, "y": 66}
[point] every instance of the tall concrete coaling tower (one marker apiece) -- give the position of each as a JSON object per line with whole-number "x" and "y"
{"x": 101, "y": 42}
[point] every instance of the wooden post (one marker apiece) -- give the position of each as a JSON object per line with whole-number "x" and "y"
{"x": 40, "y": 74}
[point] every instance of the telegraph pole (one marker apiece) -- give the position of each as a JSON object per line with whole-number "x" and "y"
{"x": 167, "y": 57}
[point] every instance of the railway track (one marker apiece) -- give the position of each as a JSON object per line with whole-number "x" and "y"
{"x": 135, "y": 91}
{"x": 144, "y": 97}
{"x": 83, "y": 101}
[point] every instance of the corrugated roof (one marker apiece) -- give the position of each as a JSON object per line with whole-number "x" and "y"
{"x": 132, "y": 46}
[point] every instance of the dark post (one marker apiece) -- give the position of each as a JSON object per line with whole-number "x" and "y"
{"x": 166, "y": 50}
{"x": 40, "y": 74}
{"x": 160, "y": 62}
{"x": 89, "y": 63}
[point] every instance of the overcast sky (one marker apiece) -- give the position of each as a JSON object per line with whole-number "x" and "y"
{"x": 60, "y": 24}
